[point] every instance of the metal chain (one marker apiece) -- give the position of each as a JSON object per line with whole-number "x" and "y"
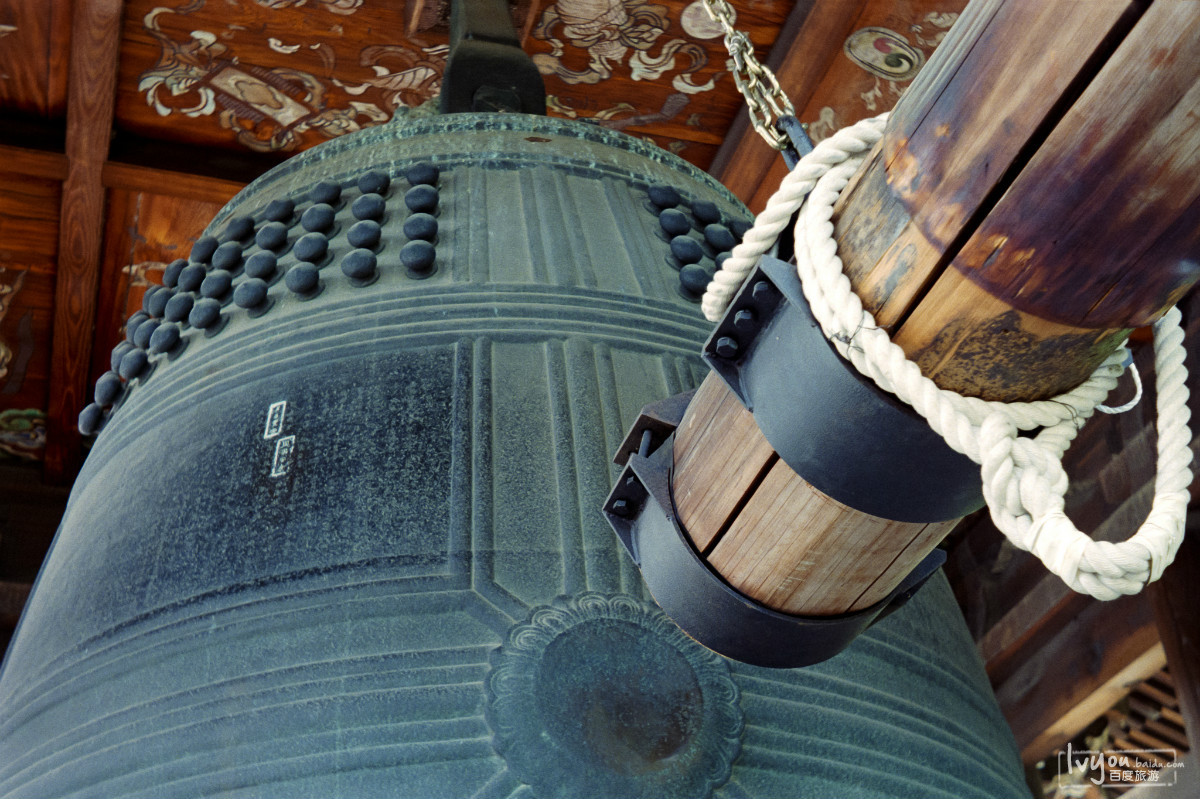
{"x": 757, "y": 84}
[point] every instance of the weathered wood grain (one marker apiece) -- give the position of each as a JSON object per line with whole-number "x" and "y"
{"x": 1080, "y": 673}
{"x": 25, "y": 56}
{"x": 968, "y": 119}
{"x": 769, "y": 532}
{"x": 26, "y": 162}
{"x": 58, "y": 58}
{"x": 967, "y": 123}
{"x": 28, "y": 220}
{"x": 968, "y": 340}
{"x": 1118, "y": 175}
{"x": 799, "y": 551}
{"x": 709, "y": 491}
{"x": 94, "y": 48}
{"x": 130, "y": 177}
{"x": 1097, "y": 234}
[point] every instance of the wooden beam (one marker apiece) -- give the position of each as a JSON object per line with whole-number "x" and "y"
{"x": 1020, "y": 633}
{"x": 803, "y": 60}
{"x": 33, "y": 163}
{"x": 95, "y": 46}
{"x": 972, "y": 124}
{"x": 1085, "y": 669}
{"x": 135, "y": 178}
{"x": 760, "y": 492}
{"x": 1096, "y": 235}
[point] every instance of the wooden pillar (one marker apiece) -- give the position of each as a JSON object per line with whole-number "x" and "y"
{"x": 95, "y": 43}
{"x": 1035, "y": 196}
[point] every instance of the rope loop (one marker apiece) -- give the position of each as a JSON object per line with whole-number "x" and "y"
{"x": 1024, "y": 483}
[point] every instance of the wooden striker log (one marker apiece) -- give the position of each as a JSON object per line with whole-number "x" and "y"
{"x": 1008, "y": 232}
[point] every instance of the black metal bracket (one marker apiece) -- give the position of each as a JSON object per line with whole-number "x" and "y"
{"x": 659, "y": 420}
{"x": 642, "y": 513}
{"x": 834, "y": 427}
{"x": 800, "y": 144}
{"x": 487, "y": 70}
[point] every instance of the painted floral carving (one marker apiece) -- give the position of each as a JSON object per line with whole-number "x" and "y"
{"x": 889, "y": 60}
{"x": 9, "y": 288}
{"x": 612, "y": 33}
{"x": 22, "y": 432}
{"x": 346, "y": 7}
{"x": 271, "y": 108}
{"x": 699, "y": 25}
{"x": 140, "y": 273}
{"x": 939, "y": 22}
{"x": 408, "y": 77}
{"x": 884, "y": 53}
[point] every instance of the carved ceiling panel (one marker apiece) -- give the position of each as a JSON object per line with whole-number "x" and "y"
{"x": 284, "y": 75}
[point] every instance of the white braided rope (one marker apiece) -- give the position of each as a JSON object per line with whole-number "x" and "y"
{"x": 1023, "y": 478}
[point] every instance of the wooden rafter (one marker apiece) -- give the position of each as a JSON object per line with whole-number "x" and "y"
{"x": 34, "y": 163}
{"x": 1081, "y": 672}
{"x": 95, "y": 41}
{"x": 130, "y": 177}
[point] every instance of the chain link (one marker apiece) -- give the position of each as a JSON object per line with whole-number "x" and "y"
{"x": 764, "y": 97}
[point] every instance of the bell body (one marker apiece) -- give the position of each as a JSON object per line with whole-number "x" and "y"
{"x": 346, "y": 540}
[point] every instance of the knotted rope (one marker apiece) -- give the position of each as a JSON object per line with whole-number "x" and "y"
{"x": 1023, "y": 479}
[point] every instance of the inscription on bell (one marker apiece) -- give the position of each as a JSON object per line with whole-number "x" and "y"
{"x": 285, "y": 448}
{"x": 275, "y": 415}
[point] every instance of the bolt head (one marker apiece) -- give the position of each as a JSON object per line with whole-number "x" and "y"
{"x": 744, "y": 321}
{"x": 727, "y": 347}
{"x": 762, "y": 291}
{"x": 620, "y": 507}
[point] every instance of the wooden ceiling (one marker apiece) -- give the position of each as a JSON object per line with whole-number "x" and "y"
{"x": 125, "y": 126}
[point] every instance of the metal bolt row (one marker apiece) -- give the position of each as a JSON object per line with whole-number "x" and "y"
{"x": 745, "y": 320}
